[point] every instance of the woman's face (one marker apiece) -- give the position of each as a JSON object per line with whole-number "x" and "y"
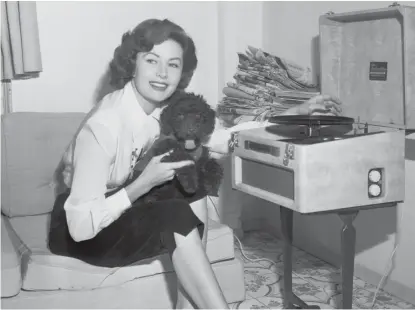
{"x": 158, "y": 71}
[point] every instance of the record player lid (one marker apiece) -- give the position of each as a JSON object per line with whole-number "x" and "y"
{"x": 366, "y": 60}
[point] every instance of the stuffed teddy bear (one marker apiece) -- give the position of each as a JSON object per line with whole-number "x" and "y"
{"x": 185, "y": 124}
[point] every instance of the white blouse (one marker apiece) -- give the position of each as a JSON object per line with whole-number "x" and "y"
{"x": 100, "y": 157}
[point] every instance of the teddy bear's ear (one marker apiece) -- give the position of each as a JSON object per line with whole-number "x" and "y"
{"x": 211, "y": 113}
{"x": 165, "y": 118}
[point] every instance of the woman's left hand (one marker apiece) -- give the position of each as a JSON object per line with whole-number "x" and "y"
{"x": 321, "y": 104}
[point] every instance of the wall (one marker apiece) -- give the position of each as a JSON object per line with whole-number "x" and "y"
{"x": 78, "y": 39}
{"x": 240, "y": 25}
{"x": 289, "y": 28}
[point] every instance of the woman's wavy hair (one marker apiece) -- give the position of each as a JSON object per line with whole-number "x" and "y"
{"x": 142, "y": 39}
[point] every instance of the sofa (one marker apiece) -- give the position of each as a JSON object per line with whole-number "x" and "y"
{"x": 33, "y": 277}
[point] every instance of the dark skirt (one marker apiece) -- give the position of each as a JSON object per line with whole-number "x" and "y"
{"x": 143, "y": 231}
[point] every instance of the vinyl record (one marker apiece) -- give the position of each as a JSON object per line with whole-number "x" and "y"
{"x": 303, "y": 131}
{"x": 311, "y": 120}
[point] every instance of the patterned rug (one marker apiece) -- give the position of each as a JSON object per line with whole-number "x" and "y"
{"x": 314, "y": 281}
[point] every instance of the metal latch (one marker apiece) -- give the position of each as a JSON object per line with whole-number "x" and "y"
{"x": 233, "y": 142}
{"x": 289, "y": 154}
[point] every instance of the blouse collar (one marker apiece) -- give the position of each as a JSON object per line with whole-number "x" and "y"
{"x": 137, "y": 118}
{"x": 133, "y": 106}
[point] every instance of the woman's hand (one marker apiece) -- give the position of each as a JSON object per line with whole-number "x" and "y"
{"x": 321, "y": 104}
{"x": 155, "y": 173}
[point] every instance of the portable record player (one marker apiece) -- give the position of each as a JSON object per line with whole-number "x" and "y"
{"x": 319, "y": 163}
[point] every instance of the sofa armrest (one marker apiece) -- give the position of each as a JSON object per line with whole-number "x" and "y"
{"x": 11, "y": 260}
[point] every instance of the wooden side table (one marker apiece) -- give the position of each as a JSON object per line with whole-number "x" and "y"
{"x": 348, "y": 248}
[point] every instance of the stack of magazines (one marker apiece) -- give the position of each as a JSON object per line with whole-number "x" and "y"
{"x": 264, "y": 86}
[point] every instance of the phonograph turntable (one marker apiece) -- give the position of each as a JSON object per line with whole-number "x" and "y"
{"x": 320, "y": 163}
{"x": 314, "y": 163}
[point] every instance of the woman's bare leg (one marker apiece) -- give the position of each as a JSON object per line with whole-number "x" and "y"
{"x": 193, "y": 269}
{"x": 195, "y": 273}
{"x": 200, "y": 210}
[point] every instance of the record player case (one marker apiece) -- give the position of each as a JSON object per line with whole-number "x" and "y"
{"x": 367, "y": 59}
{"x": 320, "y": 173}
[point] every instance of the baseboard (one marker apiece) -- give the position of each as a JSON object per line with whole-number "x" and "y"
{"x": 372, "y": 277}
{"x": 252, "y": 224}
{"x": 393, "y": 287}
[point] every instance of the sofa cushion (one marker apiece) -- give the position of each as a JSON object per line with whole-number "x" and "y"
{"x": 32, "y": 147}
{"x": 137, "y": 294}
{"x": 46, "y": 271}
{"x": 11, "y": 247}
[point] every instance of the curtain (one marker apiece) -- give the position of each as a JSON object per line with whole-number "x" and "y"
{"x": 20, "y": 49}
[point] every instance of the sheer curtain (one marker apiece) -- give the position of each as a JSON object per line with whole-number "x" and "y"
{"x": 20, "y": 49}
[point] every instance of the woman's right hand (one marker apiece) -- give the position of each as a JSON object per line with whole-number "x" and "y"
{"x": 155, "y": 173}
{"x": 158, "y": 172}
{"x": 323, "y": 104}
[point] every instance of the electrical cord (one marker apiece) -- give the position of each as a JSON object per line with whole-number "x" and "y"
{"x": 256, "y": 258}
{"x": 389, "y": 266}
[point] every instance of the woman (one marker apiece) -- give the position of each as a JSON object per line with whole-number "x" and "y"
{"x": 96, "y": 220}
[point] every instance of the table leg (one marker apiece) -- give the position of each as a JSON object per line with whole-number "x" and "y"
{"x": 348, "y": 244}
{"x": 291, "y": 301}
{"x": 287, "y": 235}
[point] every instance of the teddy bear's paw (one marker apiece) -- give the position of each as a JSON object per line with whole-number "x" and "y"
{"x": 212, "y": 189}
{"x": 213, "y": 168}
{"x": 211, "y": 176}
